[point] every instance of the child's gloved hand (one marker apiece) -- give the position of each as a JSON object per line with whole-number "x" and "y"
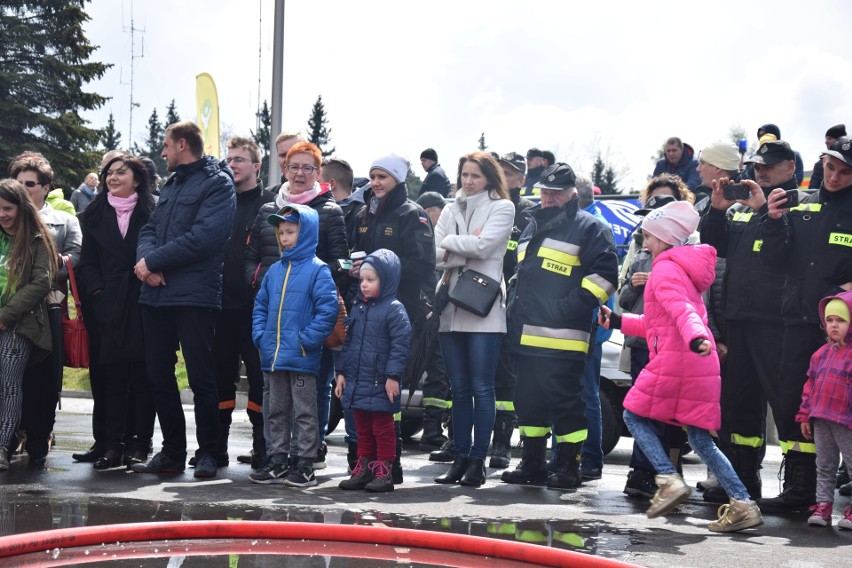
{"x": 701, "y": 346}
{"x": 340, "y": 386}
{"x": 392, "y": 388}
{"x": 609, "y": 319}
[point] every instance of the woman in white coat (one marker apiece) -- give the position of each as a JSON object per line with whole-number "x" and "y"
{"x": 472, "y": 234}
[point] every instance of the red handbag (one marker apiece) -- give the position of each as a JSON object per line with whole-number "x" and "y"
{"x": 75, "y": 336}
{"x": 337, "y": 337}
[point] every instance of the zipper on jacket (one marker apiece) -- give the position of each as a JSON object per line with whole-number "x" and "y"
{"x": 278, "y": 325}
{"x": 655, "y": 344}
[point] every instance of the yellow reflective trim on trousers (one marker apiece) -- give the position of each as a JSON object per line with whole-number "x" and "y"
{"x": 811, "y": 207}
{"x": 397, "y": 417}
{"x": 801, "y": 447}
{"x": 512, "y": 245}
{"x": 534, "y": 431}
{"x": 843, "y": 239}
{"x": 507, "y": 405}
{"x": 742, "y": 217}
{"x": 758, "y": 244}
{"x": 531, "y": 536}
{"x": 573, "y": 437}
{"x": 571, "y": 539}
{"x": 436, "y": 402}
{"x": 502, "y": 529}
{"x": 749, "y": 441}
{"x": 598, "y": 286}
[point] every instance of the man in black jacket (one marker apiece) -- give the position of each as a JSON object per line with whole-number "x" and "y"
{"x": 812, "y": 244}
{"x": 232, "y": 336}
{"x": 436, "y": 178}
{"x": 751, "y": 303}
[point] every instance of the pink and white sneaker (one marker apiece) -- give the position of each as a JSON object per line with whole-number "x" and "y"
{"x": 820, "y": 515}
{"x": 846, "y": 521}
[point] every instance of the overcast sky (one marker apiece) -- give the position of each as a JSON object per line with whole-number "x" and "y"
{"x": 572, "y": 77}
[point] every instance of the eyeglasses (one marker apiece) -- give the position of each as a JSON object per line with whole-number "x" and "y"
{"x": 31, "y": 184}
{"x": 295, "y": 168}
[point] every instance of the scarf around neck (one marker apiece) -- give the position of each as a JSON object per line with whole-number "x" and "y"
{"x": 284, "y": 196}
{"x": 123, "y": 210}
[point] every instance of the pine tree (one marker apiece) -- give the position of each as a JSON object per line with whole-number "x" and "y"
{"x": 110, "y": 137}
{"x": 154, "y": 144}
{"x": 44, "y": 67}
{"x": 261, "y": 138}
{"x": 318, "y": 131}
{"x": 604, "y": 176}
{"x": 413, "y": 183}
{"x": 172, "y": 115}
{"x": 482, "y": 146}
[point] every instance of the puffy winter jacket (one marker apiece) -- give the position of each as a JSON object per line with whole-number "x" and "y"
{"x": 685, "y": 168}
{"x": 263, "y": 248}
{"x": 567, "y": 267}
{"x": 677, "y": 386}
{"x": 187, "y": 235}
{"x": 812, "y": 243}
{"x": 377, "y": 336}
{"x": 296, "y": 305}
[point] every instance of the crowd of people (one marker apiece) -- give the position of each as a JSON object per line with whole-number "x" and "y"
{"x": 495, "y": 306}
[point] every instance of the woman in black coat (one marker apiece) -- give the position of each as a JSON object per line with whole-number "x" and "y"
{"x": 111, "y": 227}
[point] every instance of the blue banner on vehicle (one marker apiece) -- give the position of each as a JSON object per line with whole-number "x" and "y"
{"x": 620, "y": 215}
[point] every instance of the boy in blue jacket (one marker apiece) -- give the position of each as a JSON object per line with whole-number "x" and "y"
{"x": 294, "y": 311}
{"x": 370, "y": 367}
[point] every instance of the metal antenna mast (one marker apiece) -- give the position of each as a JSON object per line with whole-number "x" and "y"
{"x": 259, "y": 59}
{"x": 133, "y": 57}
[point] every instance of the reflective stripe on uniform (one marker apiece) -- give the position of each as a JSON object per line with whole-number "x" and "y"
{"x": 436, "y": 402}
{"x": 844, "y": 239}
{"x": 802, "y": 447}
{"x": 758, "y": 244}
{"x": 502, "y": 529}
{"x": 571, "y": 539}
{"x": 522, "y": 250}
{"x": 599, "y": 286}
{"x": 512, "y": 245}
{"x": 255, "y": 407}
{"x": 573, "y": 437}
{"x": 554, "y": 338}
{"x": 812, "y": 207}
{"x": 506, "y": 405}
{"x": 227, "y": 404}
{"x": 534, "y": 431}
{"x": 742, "y": 217}
{"x": 397, "y": 417}
{"x": 750, "y": 441}
{"x": 560, "y": 251}
{"x": 531, "y": 536}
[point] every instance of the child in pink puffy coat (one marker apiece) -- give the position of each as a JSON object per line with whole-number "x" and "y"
{"x": 681, "y": 384}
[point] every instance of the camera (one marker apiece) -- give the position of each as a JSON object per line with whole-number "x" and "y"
{"x": 792, "y": 196}
{"x": 734, "y": 191}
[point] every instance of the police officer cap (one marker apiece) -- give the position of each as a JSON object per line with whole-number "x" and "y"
{"x": 515, "y": 161}
{"x": 771, "y": 152}
{"x": 559, "y": 176}
{"x": 841, "y": 149}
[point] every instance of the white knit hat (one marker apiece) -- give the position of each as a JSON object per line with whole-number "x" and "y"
{"x": 723, "y": 155}
{"x": 672, "y": 223}
{"x": 396, "y": 166}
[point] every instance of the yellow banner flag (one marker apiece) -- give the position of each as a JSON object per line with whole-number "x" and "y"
{"x": 207, "y": 108}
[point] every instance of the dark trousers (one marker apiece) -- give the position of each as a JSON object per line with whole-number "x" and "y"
{"x": 505, "y": 379}
{"x": 232, "y": 343}
{"x": 436, "y": 385}
{"x": 549, "y": 392}
{"x": 800, "y": 342}
{"x": 191, "y": 329}
{"x": 129, "y": 406}
{"x": 42, "y": 384}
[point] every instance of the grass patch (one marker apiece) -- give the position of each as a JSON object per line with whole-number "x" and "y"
{"x": 78, "y": 379}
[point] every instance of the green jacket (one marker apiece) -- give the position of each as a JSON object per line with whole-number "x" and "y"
{"x": 26, "y": 311}
{"x": 57, "y": 200}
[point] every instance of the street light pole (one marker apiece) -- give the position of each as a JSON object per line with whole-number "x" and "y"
{"x": 277, "y": 90}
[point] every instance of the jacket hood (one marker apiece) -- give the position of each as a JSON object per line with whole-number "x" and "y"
{"x": 306, "y": 244}
{"x": 389, "y": 269}
{"x": 688, "y": 154}
{"x": 846, "y": 297}
{"x": 697, "y": 261}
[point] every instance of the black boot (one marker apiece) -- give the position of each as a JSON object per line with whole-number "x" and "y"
{"x": 352, "y": 455}
{"x": 501, "y": 444}
{"x": 455, "y": 473}
{"x": 799, "y": 490}
{"x": 746, "y": 464}
{"x": 533, "y": 467}
{"x": 361, "y": 475}
{"x": 91, "y": 455}
{"x": 474, "y": 475}
{"x": 433, "y": 433}
{"x": 567, "y": 472}
{"x": 447, "y": 451}
{"x": 396, "y": 467}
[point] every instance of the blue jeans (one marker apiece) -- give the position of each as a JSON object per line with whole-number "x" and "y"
{"x": 471, "y": 360}
{"x": 644, "y": 434}
{"x": 324, "y": 380}
{"x": 592, "y": 455}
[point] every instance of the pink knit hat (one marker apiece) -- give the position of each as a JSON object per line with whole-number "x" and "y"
{"x": 672, "y": 223}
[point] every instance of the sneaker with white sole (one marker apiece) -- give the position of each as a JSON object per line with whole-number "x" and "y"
{"x": 737, "y": 516}
{"x": 671, "y": 493}
{"x": 820, "y": 515}
{"x": 302, "y": 474}
{"x": 846, "y": 521}
{"x": 274, "y": 473}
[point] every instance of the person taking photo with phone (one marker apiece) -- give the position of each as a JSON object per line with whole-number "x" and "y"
{"x": 812, "y": 243}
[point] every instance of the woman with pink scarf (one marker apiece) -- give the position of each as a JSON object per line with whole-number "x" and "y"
{"x": 111, "y": 225}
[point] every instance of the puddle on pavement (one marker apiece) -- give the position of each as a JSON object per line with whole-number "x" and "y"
{"x": 30, "y": 511}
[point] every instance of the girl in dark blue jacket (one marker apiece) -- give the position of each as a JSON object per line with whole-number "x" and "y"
{"x": 370, "y": 367}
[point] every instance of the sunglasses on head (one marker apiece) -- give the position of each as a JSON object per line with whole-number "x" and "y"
{"x": 30, "y": 183}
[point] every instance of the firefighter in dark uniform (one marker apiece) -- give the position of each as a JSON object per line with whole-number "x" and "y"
{"x": 812, "y": 242}
{"x": 513, "y": 166}
{"x": 567, "y": 266}
{"x": 751, "y": 300}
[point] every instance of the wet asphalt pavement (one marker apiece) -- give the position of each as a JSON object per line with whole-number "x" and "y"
{"x": 597, "y": 519}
